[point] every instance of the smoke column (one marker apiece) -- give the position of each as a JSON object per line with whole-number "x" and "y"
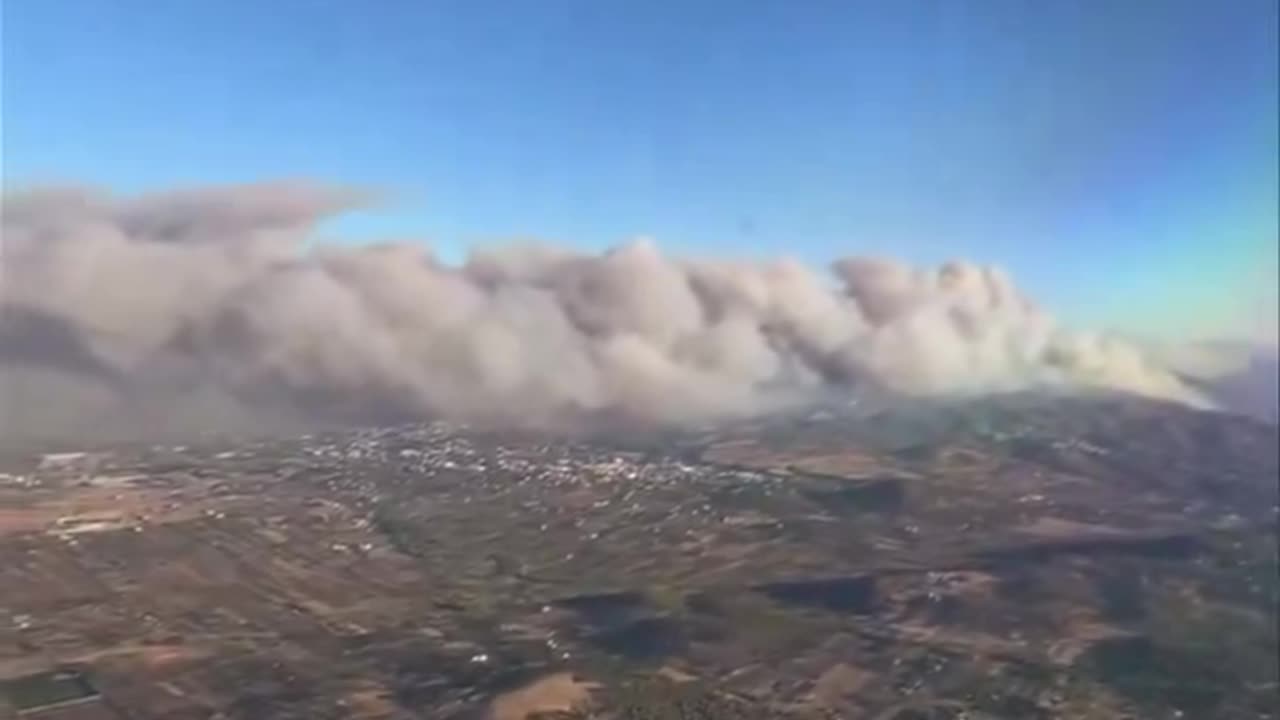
{"x": 212, "y": 308}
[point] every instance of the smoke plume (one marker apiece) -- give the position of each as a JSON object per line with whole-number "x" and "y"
{"x": 215, "y": 308}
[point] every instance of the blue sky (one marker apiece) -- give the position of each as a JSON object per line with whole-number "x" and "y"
{"x": 1118, "y": 157}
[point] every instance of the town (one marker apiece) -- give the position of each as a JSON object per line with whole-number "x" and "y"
{"x": 1022, "y": 563}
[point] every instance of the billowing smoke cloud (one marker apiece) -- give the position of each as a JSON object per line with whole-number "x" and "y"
{"x": 212, "y": 308}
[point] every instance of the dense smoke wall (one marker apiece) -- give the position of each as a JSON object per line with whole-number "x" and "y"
{"x": 213, "y": 308}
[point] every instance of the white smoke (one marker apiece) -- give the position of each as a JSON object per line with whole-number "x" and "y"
{"x": 211, "y": 308}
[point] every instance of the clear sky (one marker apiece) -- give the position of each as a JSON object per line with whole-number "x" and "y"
{"x": 1118, "y": 157}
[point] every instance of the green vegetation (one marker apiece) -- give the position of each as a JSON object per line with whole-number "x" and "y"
{"x": 51, "y": 688}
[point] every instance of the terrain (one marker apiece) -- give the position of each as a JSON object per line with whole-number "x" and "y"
{"x": 1019, "y": 557}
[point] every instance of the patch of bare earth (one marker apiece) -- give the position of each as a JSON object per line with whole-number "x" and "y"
{"x": 561, "y": 692}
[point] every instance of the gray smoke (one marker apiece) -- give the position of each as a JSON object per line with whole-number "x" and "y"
{"x": 217, "y": 308}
